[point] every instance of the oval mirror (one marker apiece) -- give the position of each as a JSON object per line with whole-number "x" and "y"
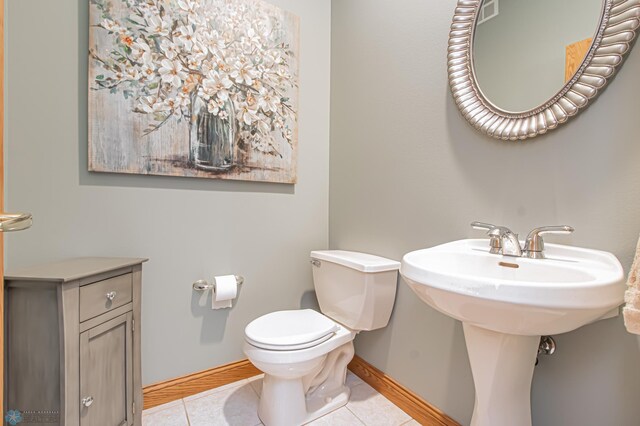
{"x": 518, "y": 68}
{"x": 525, "y": 51}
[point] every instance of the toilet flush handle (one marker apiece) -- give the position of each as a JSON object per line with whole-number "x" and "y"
{"x": 316, "y": 262}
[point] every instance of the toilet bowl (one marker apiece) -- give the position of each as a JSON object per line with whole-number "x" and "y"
{"x": 291, "y": 373}
{"x": 304, "y": 353}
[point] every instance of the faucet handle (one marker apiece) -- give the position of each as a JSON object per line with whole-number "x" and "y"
{"x": 483, "y": 226}
{"x": 534, "y": 246}
{"x": 494, "y": 232}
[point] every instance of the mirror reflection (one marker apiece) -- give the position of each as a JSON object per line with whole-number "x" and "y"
{"x": 525, "y": 50}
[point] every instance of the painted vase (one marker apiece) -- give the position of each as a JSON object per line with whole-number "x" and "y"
{"x": 211, "y": 139}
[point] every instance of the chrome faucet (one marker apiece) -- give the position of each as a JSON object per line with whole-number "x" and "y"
{"x": 505, "y": 242}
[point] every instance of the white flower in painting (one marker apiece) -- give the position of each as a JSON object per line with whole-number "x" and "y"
{"x": 173, "y": 106}
{"x": 215, "y": 42}
{"x": 145, "y": 104}
{"x": 247, "y": 113}
{"x": 214, "y": 106}
{"x": 185, "y": 36}
{"x": 257, "y": 85}
{"x": 110, "y": 25}
{"x": 182, "y": 100}
{"x": 123, "y": 31}
{"x": 198, "y": 53}
{"x": 207, "y": 66}
{"x": 138, "y": 50}
{"x": 151, "y": 104}
{"x": 189, "y": 7}
{"x": 148, "y": 71}
{"x": 272, "y": 58}
{"x": 172, "y": 72}
{"x": 158, "y": 26}
{"x": 133, "y": 74}
{"x": 195, "y": 61}
{"x": 223, "y": 115}
{"x": 243, "y": 72}
{"x": 267, "y": 100}
{"x": 223, "y": 67}
{"x": 251, "y": 40}
{"x": 190, "y": 83}
{"x": 216, "y": 85}
{"x": 169, "y": 49}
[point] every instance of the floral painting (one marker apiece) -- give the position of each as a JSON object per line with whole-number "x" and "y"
{"x": 203, "y": 88}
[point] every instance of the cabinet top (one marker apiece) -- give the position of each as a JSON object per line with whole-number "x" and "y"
{"x": 71, "y": 269}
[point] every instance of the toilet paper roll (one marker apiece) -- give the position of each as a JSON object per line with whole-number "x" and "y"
{"x": 225, "y": 289}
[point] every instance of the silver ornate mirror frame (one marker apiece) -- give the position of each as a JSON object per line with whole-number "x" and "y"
{"x": 613, "y": 40}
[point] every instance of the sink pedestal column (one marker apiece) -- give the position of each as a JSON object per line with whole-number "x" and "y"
{"x": 502, "y": 367}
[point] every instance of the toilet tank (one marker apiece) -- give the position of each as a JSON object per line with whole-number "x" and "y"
{"x": 355, "y": 289}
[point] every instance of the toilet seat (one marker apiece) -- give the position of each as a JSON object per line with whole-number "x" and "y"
{"x": 290, "y": 330}
{"x": 289, "y": 358}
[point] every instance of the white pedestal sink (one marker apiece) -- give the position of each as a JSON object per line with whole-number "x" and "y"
{"x": 506, "y": 304}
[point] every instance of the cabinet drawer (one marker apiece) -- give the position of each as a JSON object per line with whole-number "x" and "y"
{"x": 103, "y": 296}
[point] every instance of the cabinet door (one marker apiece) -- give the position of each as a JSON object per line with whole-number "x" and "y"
{"x": 106, "y": 373}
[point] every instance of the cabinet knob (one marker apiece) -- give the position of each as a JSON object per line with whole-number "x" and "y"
{"x": 111, "y": 295}
{"x": 87, "y": 401}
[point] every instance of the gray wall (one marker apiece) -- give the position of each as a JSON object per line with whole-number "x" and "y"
{"x": 531, "y": 37}
{"x": 189, "y": 228}
{"x": 408, "y": 172}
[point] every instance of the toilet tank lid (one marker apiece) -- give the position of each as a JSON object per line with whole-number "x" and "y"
{"x": 359, "y": 261}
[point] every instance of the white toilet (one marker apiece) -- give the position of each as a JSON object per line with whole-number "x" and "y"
{"x": 304, "y": 353}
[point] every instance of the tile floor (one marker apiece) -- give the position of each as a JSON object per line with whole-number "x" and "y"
{"x": 236, "y": 404}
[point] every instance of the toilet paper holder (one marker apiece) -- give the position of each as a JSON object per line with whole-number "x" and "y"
{"x": 204, "y": 285}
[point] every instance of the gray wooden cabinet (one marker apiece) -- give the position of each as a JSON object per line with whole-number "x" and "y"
{"x": 72, "y": 342}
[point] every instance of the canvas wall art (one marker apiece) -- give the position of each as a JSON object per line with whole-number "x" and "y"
{"x": 204, "y": 88}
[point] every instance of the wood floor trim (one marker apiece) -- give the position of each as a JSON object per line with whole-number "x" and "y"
{"x": 181, "y": 387}
{"x": 423, "y": 412}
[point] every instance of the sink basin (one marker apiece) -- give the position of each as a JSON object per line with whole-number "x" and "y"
{"x": 516, "y": 295}
{"x": 505, "y": 304}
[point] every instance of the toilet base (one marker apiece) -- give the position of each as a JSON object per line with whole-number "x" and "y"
{"x": 272, "y": 411}
{"x": 297, "y": 401}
